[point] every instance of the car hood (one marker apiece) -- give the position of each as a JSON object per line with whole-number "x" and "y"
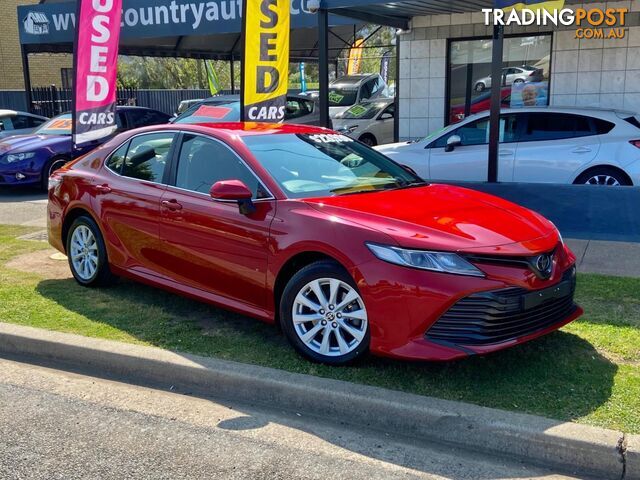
{"x": 29, "y": 143}
{"x": 443, "y": 217}
{"x": 389, "y": 147}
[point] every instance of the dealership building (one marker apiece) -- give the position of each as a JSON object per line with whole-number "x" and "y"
{"x": 444, "y": 58}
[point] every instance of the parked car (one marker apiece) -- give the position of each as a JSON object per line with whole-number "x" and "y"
{"x": 300, "y": 109}
{"x": 185, "y": 104}
{"x": 479, "y": 104}
{"x": 511, "y": 75}
{"x": 30, "y": 159}
{"x": 537, "y": 144}
{"x": 344, "y": 92}
{"x": 348, "y": 251}
{"x": 18, "y": 123}
{"x": 370, "y": 122}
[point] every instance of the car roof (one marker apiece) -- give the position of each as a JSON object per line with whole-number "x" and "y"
{"x": 352, "y": 80}
{"x": 593, "y": 111}
{"x": 242, "y": 129}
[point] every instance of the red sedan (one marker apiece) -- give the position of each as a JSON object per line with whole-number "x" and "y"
{"x": 347, "y": 250}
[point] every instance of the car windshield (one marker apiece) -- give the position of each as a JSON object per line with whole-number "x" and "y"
{"x": 60, "y": 125}
{"x": 320, "y": 165}
{"x": 212, "y": 111}
{"x": 342, "y": 97}
{"x": 363, "y": 110}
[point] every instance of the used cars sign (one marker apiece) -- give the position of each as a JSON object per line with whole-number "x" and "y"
{"x": 266, "y": 60}
{"x": 96, "y": 64}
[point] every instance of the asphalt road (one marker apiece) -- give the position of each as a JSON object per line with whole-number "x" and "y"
{"x": 59, "y": 425}
{"x": 26, "y": 207}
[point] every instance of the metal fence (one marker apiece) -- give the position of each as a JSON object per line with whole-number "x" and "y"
{"x": 51, "y": 101}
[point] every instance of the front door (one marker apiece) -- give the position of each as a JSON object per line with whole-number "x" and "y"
{"x": 469, "y": 160}
{"x": 208, "y": 244}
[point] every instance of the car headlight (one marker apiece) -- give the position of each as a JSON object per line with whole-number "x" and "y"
{"x": 18, "y": 157}
{"x": 424, "y": 260}
{"x": 347, "y": 130}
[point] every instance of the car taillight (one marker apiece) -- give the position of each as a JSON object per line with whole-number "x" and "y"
{"x": 635, "y": 143}
{"x": 54, "y": 181}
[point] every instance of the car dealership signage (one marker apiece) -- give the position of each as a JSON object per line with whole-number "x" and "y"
{"x": 96, "y": 66}
{"x": 265, "y": 66}
{"x": 55, "y": 22}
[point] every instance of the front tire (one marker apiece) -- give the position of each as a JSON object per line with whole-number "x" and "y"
{"x": 323, "y": 315}
{"x": 87, "y": 254}
{"x": 368, "y": 139}
{"x": 479, "y": 87}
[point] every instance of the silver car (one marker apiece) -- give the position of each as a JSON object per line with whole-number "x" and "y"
{"x": 511, "y": 75}
{"x": 371, "y": 122}
{"x": 18, "y": 123}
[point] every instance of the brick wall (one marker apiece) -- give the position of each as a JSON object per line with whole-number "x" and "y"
{"x": 45, "y": 68}
{"x": 598, "y": 73}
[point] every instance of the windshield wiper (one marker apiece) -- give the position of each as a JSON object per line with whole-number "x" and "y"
{"x": 403, "y": 185}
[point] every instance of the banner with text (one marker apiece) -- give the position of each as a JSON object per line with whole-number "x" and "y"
{"x": 265, "y": 67}
{"x": 96, "y": 66}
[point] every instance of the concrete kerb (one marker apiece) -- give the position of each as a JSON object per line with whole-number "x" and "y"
{"x": 569, "y": 447}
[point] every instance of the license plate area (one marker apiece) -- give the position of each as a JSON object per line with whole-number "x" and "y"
{"x": 533, "y": 299}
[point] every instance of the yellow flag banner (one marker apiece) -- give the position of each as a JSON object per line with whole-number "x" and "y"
{"x": 355, "y": 57}
{"x": 265, "y": 66}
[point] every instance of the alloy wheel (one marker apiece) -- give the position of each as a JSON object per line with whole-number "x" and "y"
{"x": 329, "y": 317}
{"x": 606, "y": 180}
{"x": 84, "y": 252}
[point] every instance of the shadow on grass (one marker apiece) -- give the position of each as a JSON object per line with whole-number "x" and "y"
{"x": 560, "y": 376}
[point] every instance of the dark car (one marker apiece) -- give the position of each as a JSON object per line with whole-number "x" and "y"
{"x": 300, "y": 109}
{"x": 30, "y": 159}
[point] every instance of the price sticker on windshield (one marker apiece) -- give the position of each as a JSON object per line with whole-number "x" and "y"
{"x": 330, "y": 138}
{"x": 358, "y": 110}
{"x": 335, "y": 97}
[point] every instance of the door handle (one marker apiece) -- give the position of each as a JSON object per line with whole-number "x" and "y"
{"x": 581, "y": 150}
{"x": 505, "y": 152}
{"x": 172, "y": 205}
{"x": 104, "y": 188}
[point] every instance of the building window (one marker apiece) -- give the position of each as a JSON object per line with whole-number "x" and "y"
{"x": 67, "y": 77}
{"x": 525, "y": 74}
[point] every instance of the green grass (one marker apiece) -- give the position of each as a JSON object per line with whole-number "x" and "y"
{"x": 588, "y": 372}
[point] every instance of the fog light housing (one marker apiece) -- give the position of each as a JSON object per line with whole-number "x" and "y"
{"x": 20, "y": 176}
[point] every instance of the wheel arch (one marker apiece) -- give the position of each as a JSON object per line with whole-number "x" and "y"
{"x": 292, "y": 265}
{"x": 70, "y": 216}
{"x": 603, "y": 165}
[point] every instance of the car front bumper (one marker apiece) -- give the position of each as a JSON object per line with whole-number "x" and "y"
{"x": 421, "y": 315}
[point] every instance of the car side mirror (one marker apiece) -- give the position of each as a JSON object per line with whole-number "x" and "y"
{"x": 452, "y": 142}
{"x": 233, "y": 191}
{"x": 386, "y": 116}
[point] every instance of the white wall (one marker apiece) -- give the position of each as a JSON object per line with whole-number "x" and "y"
{"x": 600, "y": 73}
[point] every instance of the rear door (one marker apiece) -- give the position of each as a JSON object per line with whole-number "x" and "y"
{"x": 469, "y": 161}
{"x": 208, "y": 244}
{"x": 553, "y": 146}
{"x": 128, "y": 199}
{"x": 384, "y": 124}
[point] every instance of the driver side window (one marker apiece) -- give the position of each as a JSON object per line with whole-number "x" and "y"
{"x": 204, "y": 161}
{"x": 477, "y": 132}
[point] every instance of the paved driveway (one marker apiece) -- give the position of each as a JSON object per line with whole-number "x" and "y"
{"x": 27, "y": 207}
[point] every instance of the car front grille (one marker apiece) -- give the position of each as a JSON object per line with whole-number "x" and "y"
{"x": 498, "y": 316}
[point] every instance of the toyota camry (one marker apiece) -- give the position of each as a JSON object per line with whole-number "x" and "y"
{"x": 346, "y": 250}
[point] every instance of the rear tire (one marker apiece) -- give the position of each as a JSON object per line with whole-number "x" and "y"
{"x": 603, "y": 176}
{"x": 323, "y": 315}
{"x": 87, "y": 254}
{"x": 50, "y": 167}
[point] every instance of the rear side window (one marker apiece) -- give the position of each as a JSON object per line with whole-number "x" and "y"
{"x": 143, "y": 118}
{"x": 633, "y": 121}
{"x": 602, "y": 126}
{"x": 147, "y": 156}
{"x": 555, "y": 126}
{"x": 116, "y": 160}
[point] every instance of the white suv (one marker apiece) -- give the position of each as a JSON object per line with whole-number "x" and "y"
{"x": 537, "y": 144}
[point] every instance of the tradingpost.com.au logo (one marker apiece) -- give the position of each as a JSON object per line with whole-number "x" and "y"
{"x": 590, "y": 23}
